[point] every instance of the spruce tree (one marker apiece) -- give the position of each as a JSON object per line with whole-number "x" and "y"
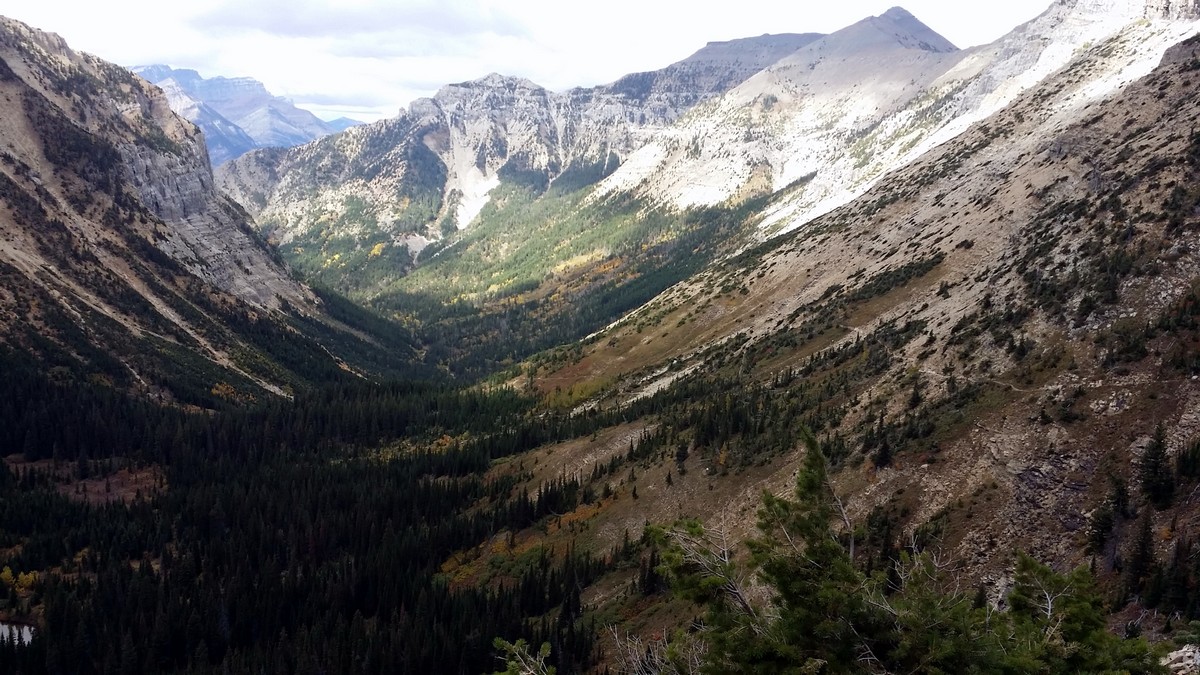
{"x": 1158, "y": 481}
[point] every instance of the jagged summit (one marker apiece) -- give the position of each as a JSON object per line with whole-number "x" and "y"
{"x": 492, "y": 82}
{"x": 496, "y": 80}
{"x": 481, "y": 128}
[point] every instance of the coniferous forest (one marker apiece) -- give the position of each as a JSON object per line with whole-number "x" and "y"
{"x": 950, "y": 426}
{"x": 281, "y": 538}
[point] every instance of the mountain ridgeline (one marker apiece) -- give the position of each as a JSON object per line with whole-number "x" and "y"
{"x": 121, "y": 261}
{"x": 237, "y": 114}
{"x": 575, "y": 207}
{"x": 355, "y": 211}
{"x": 948, "y": 298}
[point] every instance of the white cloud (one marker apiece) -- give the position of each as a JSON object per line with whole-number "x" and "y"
{"x": 372, "y": 57}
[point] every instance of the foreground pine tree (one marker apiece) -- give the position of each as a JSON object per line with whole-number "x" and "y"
{"x": 821, "y": 613}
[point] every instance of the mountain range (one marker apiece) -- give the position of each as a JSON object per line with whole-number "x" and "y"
{"x": 237, "y": 114}
{"x": 439, "y": 161}
{"x": 971, "y": 275}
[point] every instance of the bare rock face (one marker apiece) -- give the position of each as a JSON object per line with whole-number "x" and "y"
{"x": 478, "y": 133}
{"x": 208, "y": 234}
{"x": 113, "y": 203}
{"x": 823, "y": 125}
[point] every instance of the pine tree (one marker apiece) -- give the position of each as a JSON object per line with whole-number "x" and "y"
{"x": 1158, "y": 481}
{"x": 828, "y": 616}
{"x": 1141, "y": 561}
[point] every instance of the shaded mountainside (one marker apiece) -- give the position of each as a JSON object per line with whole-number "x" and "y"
{"x": 237, "y": 114}
{"x": 120, "y": 260}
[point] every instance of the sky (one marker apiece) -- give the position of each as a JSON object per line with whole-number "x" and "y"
{"x": 367, "y": 59}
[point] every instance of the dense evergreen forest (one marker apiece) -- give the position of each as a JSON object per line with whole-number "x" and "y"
{"x": 311, "y": 535}
{"x": 293, "y": 536}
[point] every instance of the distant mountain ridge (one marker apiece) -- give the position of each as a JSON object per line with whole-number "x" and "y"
{"x": 238, "y": 114}
{"x": 432, "y": 169}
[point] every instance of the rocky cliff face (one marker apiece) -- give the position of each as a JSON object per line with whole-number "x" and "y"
{"x": 828, "y": 122}
{"x": 478, "y": 133}
{"x": 113, "y": 226}
{"x": 235, "y": 109}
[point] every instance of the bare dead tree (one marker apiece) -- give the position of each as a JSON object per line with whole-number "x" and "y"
{"x": 710, "y": 551}
{"x": 658, "y": 656}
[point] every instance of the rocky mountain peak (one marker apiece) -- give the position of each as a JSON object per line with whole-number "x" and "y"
{"x": 495, "y": 92}
{"x": 915, "y": 34}
{"x": 237, "y": 108}
{"x": 894, "y": 27}
{"x": 498, "y": 81}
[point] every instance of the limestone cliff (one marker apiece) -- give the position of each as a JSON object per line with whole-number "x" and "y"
{"x": 439, "y": 160}
{"x": 115, "y": 248}
{"x": 825, "y": 124}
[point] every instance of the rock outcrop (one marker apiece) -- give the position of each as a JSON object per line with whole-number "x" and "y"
{"x": 829, "y": 121}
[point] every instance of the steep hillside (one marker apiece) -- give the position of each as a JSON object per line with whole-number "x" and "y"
{"x": 120, "y": 260}
{"x": 826, "y": 123}
{"x": 236, "y": 109}
{"x": 991, "y": 344}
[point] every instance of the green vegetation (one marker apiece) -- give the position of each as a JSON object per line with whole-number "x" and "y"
{"x": 311, "y": 531}
{"x": 828, "y": 614}
{"x": 542, "y": 269}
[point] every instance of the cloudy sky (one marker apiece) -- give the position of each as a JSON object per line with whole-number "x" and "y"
{"x": 368, "y": 58}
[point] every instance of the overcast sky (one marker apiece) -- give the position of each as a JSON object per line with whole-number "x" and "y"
{"x": 368, "y": 58}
